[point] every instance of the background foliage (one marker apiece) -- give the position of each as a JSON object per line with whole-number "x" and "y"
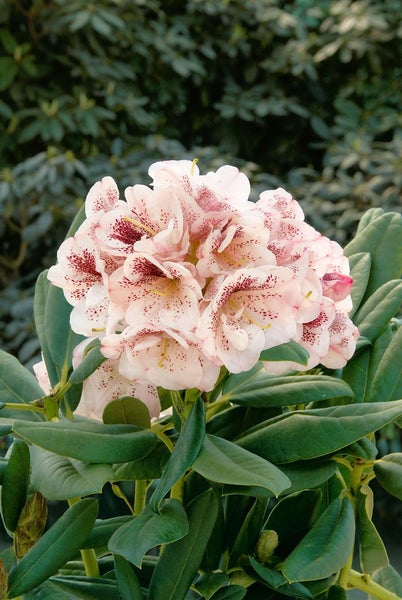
{"x": 296, "y": 94}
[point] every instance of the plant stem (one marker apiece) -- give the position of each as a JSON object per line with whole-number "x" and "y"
{"x": 88, "y": 555}
{"x": 177, "y": 490}
{"x": 366, "y": 584}
{"x": 13, "y": 406}
{"x": 141, "y": 486}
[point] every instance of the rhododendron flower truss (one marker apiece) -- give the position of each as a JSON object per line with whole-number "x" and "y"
{"x": 187, "y": 275}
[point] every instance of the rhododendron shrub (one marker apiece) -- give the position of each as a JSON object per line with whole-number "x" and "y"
{"x": 221, "y": 367}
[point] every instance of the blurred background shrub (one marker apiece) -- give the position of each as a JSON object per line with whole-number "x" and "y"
{"x": 300, "y": 94}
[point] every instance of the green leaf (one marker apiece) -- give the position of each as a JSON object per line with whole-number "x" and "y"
{"x": 127, "y": 410}
{"x": 208, "y": 583}
{"x": 373, "y": 554}
{"x": 42, "y": 287}
{"x": 89, "y": 441}
{"x": 390, "y": 579}
{"x": 83, "y": 588}
{"x": 374, "y": 315}
{"x": 388, "y": 470}
{"x": 262, "y": 390}
{"x": 59, "y": 477}
{"x": 385, "y": 382}
{"x": 326, "y": 547}
{"x": 103, "y": 530}
{"x": 291, "y": 351}
{"x": 185, "y": 452}
{"x": 59, "y": 337}
{"x": 15, "y": 484}
{"x": 92, "y": 360}
{"x": 360, "y": 265}
{"x": 302, "y": 435}
{"x": 54, "y": 548}
{"x": 19, "y": 386}
{"x": 279, "y": 583}
{"x": 175, "y": 571}
{"x": 381, "y": 238}
{"x": 356, "y": 373}
{"x": 224, "y": 462}
{"x": 308, "y": 474}
{"x": 148, "y": 468}
{"x": 249, "y": 531}
{"x": 231, "y": 592}
{"x": 150, "y": 529}
{"x": 127, "y": 583}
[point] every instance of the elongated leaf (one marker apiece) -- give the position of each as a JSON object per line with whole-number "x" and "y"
{"x": 103, "y": 530}
{"x": 84, "y": 588}
{"x": 373, "y": 554}
{"x": 89, "y": 441}
{"x": 381, "y": 238}
{"x": 19, "y": 386}
{"x": 185, "y": 452}
{"x": 375, "y": 314}
{"x": 360, "y": 265}
{"x": 249, "y": 531}
{"x": 179, "y": 562}
{"x": 388, "y": 470}
{"x": 92, "y": 360}
{"x": 127, "y": 582}
{"x": 291, "y": 351}
{"x": 15, "y": 484}
{"x": 231, "y": 592}
{"x": 263, "y": 390}
{"x": 42, "y": 287}
{"x": 54, "y": 548}
{"x": 307, "y": 434}
{"x": 59, "y": 337}
{"x": 309, "y": 474}
{"x": 150, "y": 529}
{"x": 59, "y": 477}
{"x": 208, "y": 583}
{"x": 326, "y": 547}
{"x": 224, "y": 462}
{"x": 356, "y": 374}
{"x": 390, "y": 579}
{"x": 148, "y": 468}
{"x": 386, "y": 381}
{"x": 279, "y": 583}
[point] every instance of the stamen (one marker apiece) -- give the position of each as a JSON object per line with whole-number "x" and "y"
{"x": 195, "y": 161}
{"x": 140, "y": 225}
{"x": 163, "y": 354}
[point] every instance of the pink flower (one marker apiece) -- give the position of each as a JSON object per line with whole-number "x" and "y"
{"x": 251, "y": 310}
{"x": 161, "y": 357}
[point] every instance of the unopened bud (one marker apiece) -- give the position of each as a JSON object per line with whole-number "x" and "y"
{"x": 31, "y": 524}
{"x": 266, "y": 545}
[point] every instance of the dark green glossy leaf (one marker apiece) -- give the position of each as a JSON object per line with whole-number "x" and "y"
{"x": 372, "y": 551}
{"x": 386, "y": 382}
{"x": 374, "y": 315}
{"x": 388, "y": 470}
{"x": 225, "y": 462}
{"x": 231, "y": 592}
{"x": 42, "y": 287}
{"x": 127, "y": 583}
{"x": 92, "y": 360}
{"x": 103, "y": 530}
{"x": 19, "y": 386}
{"x": 85, "y": 588}
{"x": 184, "y": 454}
{"x": 279, "y": 583}
{"x": 89, "y": 441}
{"x": 249, "y": 531}
{"x": 381, "y": 238}
{"x": 179, "y": 562}
{"x": 307, "y": 474}
{"x": 291, "y": 351}
{"x": 150, "y": 529}
{"x": 60, "y": 477}
{"x": 54, "y": 548}
{"x": 208, "y": 583}
{"x": 15, "y": 484}
{"x": 302, "y": 435}
{"x": 326, "y": 547}
{"x": 127, "y": 410}
{"x": 360, "y": 265}
{"x": 263, "y": 390}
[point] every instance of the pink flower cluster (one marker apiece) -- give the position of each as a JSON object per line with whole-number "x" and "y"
{"x": 188, "y": 275}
